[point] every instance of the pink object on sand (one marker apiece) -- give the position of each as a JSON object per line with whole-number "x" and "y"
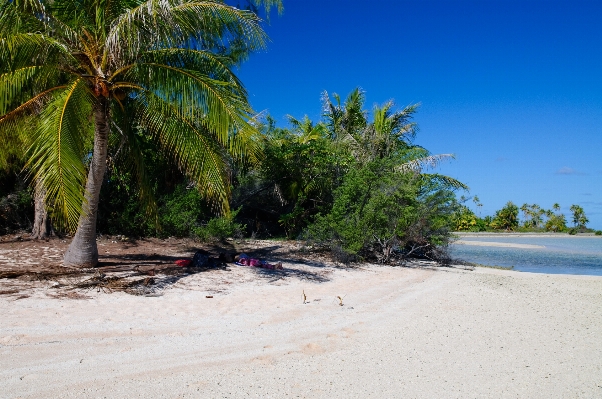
{"x": 244, "y": 260}
{"x": 183, "y": 262}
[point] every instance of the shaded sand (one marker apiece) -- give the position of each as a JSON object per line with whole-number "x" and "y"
{"x": 498, "y": 244}
{"x": 400, "y": 333}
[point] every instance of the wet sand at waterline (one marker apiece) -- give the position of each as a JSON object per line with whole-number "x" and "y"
{"x": 498, "y": 244}
{"x": 401, "y": 332}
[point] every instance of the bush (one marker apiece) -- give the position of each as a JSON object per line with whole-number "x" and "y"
{"x": 599, "y": 233}
{"x": 16, "y": 211}
{"x": 380, "y": 214}
{"x": 181, "y": 212}
{"x": 220, "y": 228}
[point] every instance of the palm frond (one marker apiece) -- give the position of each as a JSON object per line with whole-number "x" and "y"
{"x": 16, "y": 87}
{"x": 219, "y": 106}
{"x": 13, "y": 119}
{"x": 268, "y": 4}
{"x": 191, "y": 146}
{"x": 445, "y": 181}
{"x": 30, "y": 49}
{"x": 194, "y": 24}
{"x": 56, "y": 157}
{"x": 417, "y": 165}
{"x": 213, "y": 65}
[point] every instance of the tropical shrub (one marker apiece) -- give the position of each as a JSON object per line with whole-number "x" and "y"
{"x": 220, "y": 228}
{"x": 556, "y": 221}
{"x": 295, "y": 180}
{"x": 181, "y": 212}
{"x": 466, "y": 220}
{"x": 506, "y": 218}
{"x": 16, "y": 209}
{"x": 381, "y": 214}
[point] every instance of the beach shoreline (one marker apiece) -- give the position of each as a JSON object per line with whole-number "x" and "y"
{"x": 394, "y": 332}
{"x": 464, "y": 234}
{"x": 498, "y": 244}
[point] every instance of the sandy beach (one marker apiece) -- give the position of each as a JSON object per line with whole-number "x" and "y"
{"x": 400, "y": 332}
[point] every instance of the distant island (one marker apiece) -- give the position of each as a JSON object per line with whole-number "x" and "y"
{"x": 535, "y": 219}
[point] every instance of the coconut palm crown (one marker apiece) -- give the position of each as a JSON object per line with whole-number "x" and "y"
{"x": 84, "y": 72}
{"x": 390, "y": 134}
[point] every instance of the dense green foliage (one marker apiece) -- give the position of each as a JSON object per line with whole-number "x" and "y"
{"x": 78, "y": 75}
{"x": 68, "y": 63}
{"x": 385, "y": 207}
{"x": 379, "y": 213}
{"x": 220, "y": 228}
{"x": 556, "y": 220}
{"x": 349, "y": 182}
{"x": 506, "y": 218}
{"x": 16, "y": 207}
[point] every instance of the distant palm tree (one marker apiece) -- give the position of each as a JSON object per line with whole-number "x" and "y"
{"x": 390, "y": 132}
{"x": 83, "y": 71}
{"x": 306, "y": 130}
{"x": 348, "y": 124}
{"x": 346, "y": 121}
{"x": 579, "y": 218}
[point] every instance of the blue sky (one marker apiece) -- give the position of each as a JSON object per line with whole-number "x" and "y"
{"x": 512, "y": 88}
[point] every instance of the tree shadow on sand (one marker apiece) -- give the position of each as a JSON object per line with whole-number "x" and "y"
{"x": 150, "y": 273}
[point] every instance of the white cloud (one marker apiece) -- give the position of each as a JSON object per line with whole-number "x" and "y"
{"x": 565, "y": 170}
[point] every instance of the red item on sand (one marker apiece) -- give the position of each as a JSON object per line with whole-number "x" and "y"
{"x": 183, "y": 262}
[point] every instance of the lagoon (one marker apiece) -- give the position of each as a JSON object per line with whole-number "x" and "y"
{"x": 536, "y": 253}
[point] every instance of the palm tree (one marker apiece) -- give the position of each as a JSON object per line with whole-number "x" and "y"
{"x": 306, "y": 130}
{"x": 389, "y": 135}
{"x": 85, "y": 71}
{"x": 579, "y": 218}
{"x": 390, "y": 131}
{"x": 345, "y": 121}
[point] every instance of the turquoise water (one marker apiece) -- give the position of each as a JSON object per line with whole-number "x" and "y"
{"x": 561, "y": 255}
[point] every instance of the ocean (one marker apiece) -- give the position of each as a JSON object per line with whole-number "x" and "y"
{"x": 561, "y": 254}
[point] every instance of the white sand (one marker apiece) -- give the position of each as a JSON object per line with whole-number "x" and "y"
{"x": 498, "y": 244}
{"x": 402, "y": 333}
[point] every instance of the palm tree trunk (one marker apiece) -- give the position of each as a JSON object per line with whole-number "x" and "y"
{"x": 82, "y": 251}
{"x": 41, "y": 223}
